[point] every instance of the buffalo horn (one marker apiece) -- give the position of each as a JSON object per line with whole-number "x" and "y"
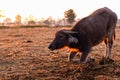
{"x": 72, "y": 32}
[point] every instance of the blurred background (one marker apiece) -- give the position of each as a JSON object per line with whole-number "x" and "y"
{"x": 52, "y": 13}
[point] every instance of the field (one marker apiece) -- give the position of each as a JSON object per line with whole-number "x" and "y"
{"x": 24, "y": 55}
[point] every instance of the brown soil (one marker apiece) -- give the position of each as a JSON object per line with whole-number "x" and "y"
{"x": 24, "y": 55}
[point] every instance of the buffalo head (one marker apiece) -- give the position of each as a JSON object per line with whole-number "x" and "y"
{"x": 63, "y": 38}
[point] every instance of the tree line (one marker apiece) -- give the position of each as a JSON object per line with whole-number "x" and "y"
{"x": 69, "y": 17}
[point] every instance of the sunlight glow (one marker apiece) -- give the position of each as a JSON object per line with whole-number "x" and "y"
{"x": 54, "y": 8}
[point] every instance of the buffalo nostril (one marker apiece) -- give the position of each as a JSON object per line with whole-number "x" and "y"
{"x": 51, "y": 47}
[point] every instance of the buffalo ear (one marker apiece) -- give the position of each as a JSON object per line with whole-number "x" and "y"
{"x": 72, "y": 39}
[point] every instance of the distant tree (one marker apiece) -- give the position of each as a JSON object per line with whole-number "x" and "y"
{"x": 70, "y": 15}
{"x": 1, "y": 17}
{"x": 7, "y": 20}
{"x": 31, "y": 18}
{"x": 50, "y": 19}
{"x": 1, "y": 14}
{"x": 18, "y": 19}
{"x": 31, "y": 22}
{"x": 46, "y": 22}
{"x": 42, "y": 19}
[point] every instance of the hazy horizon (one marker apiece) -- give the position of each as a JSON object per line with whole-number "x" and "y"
{"x": 55, "y": 9}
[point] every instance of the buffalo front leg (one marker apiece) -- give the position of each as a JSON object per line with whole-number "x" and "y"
{"x": 84, "y": 56}
{"x": 71, "y": 56}
{"x": 82, "y": 60}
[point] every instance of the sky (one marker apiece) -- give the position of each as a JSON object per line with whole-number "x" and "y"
{"x": 55, "y": 8}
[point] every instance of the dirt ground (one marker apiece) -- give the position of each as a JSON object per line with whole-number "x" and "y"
{"x": 24, "y": 55}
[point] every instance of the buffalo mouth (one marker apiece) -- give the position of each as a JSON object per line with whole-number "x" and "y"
{"x": 55, "y": 47}
{"x": 52, "y": 47}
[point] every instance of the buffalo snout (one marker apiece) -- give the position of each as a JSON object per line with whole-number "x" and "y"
{"x": 51, "y": 47}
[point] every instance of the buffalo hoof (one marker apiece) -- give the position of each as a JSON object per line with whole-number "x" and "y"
{"x": 74, "y": 61}
{"x": 89, "y": 60}
{"x": 106, "y": 61}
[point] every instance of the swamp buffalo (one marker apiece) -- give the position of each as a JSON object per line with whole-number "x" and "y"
{"x": 88, "y": 32}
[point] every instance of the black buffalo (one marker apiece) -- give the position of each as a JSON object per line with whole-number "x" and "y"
{"x": 88, "y": 32}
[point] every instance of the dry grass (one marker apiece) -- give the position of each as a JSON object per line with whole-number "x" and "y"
{"x": 24, "y": 56}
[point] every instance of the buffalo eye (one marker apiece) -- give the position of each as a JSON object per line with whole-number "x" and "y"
{"x": 61, "y": 36}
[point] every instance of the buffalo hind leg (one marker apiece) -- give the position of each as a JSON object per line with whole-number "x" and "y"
{"x": 71, "y": 56}
{"x": 109, "y": 43}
